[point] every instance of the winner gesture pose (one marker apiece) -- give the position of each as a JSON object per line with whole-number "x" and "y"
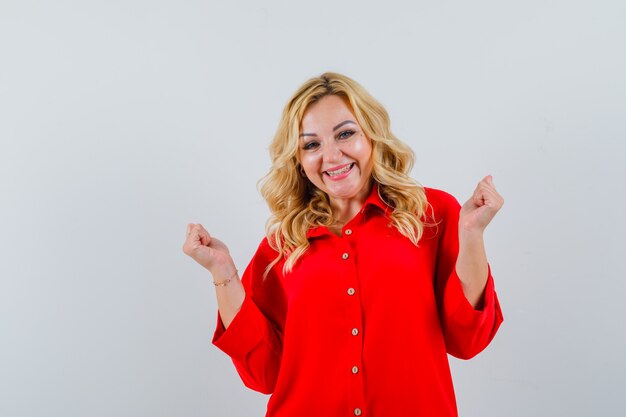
{"x": 365, "y": 281}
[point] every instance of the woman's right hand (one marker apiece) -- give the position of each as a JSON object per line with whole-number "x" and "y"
{"x": 208, "y": 251}
{"x": 212, "y": 254}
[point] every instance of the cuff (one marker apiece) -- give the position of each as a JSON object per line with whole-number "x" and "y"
{"x": 243, "y": 334}
{"x": 462, "y": 310}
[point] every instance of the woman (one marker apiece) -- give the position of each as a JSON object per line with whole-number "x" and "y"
{"x": 366, "y": 280}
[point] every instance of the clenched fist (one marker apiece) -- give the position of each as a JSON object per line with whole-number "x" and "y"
{"x": 208, "y": 251}
{"x": 480, "y": 208}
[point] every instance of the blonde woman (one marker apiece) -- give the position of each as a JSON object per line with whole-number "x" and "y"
{"x": 365, "y": 281}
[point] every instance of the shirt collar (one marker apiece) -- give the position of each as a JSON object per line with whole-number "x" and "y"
{"x": 373, "y": 200}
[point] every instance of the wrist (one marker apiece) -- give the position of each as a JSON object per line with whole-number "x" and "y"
{"x": 471, "y": 235}
{"x": 222, "y": 270}
{"x": 226, "y": 281}
{"x": 223, "y": 276}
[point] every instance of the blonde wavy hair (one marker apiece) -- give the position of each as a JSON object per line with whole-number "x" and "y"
{"x": 297, "y": 205}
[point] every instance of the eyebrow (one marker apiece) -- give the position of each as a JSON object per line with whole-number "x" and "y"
{"x": 345, "y": 122}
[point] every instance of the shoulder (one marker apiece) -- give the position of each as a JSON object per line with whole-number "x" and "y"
{"x": 439, "y": 199}
{"x": 265, "y": 251}
{"x": 442, "y": 207}
{"x": 256, "y": 273}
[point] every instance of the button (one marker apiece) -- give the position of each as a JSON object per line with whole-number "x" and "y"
{"x": 355, "y": 331}
{"x": 355, "y": 369}
{"x": 351, "y": 291}
{"x": 345, "y": 256}
{"x": 348, "y": 232}
{"x": 357, "y": 411}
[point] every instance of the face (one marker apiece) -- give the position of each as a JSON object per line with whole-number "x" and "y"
{"x": 333, "y": 150}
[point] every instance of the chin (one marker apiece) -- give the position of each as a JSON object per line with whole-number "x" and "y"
{"x": 343, "y": 193}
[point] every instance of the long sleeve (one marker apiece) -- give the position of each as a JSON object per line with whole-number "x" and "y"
{"x": 467, "y": 331}
{"x": 254, "y": 338}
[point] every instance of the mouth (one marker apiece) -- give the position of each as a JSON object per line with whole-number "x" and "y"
{"x": 341, "y": 170}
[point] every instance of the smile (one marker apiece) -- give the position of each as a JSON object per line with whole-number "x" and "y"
{"x": 341, "y": 171}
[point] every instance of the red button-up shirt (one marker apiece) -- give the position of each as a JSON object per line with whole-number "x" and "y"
{"x": 363, "y": 324}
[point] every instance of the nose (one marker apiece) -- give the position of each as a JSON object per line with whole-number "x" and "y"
{"x": 332, "y": 152}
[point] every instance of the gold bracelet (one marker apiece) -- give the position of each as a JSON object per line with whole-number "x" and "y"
{"x": 226, "y": 281}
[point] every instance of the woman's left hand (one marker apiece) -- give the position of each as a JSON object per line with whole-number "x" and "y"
{"x": 481, "y": 207}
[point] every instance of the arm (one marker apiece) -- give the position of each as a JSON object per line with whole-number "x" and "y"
{"x": 475, "y": 215}
{"x": 468, "y": 306}
{"x": 254, "y": 338}
{"x": 250, "y": 310}
{"x": 230, "y": 294}
{"x": 471, "y": 267}
{"x": 213, "y": 254}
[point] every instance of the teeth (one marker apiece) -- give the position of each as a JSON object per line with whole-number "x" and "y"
{"x": 340, "y": 171}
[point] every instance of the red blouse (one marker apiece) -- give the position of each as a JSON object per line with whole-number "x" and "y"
{"x": 363, "y": 324}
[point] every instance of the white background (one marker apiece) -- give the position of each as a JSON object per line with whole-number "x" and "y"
{"x": 122, "y": 121}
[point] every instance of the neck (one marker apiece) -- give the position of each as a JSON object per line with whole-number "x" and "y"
{"x": 344, "y": 209}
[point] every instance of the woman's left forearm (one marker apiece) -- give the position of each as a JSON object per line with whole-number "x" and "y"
{"x": 471, "y": 266}
{"x": 475, "y": 215}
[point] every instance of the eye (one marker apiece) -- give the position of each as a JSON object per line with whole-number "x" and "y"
{"x": 310, "y": 145}
{"x": 345, "y": 134}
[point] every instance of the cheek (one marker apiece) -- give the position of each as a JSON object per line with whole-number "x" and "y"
{"x": 309, "y": 162}
{"x": 362, "y": 150}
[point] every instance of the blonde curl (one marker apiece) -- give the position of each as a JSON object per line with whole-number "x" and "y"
{"x": 296, "y": 204}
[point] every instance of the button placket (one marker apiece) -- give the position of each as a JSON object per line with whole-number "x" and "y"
{"x": 349, "y": 263}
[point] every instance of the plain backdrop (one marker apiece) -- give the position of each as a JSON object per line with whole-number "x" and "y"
{"x": 122, "y": 121}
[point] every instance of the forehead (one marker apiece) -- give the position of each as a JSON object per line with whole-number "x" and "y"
{"x": 326, "y": 113}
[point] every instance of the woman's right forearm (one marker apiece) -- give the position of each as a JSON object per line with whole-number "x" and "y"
{"x": 213, "y": 254}
{"x": 230, "y": 295}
